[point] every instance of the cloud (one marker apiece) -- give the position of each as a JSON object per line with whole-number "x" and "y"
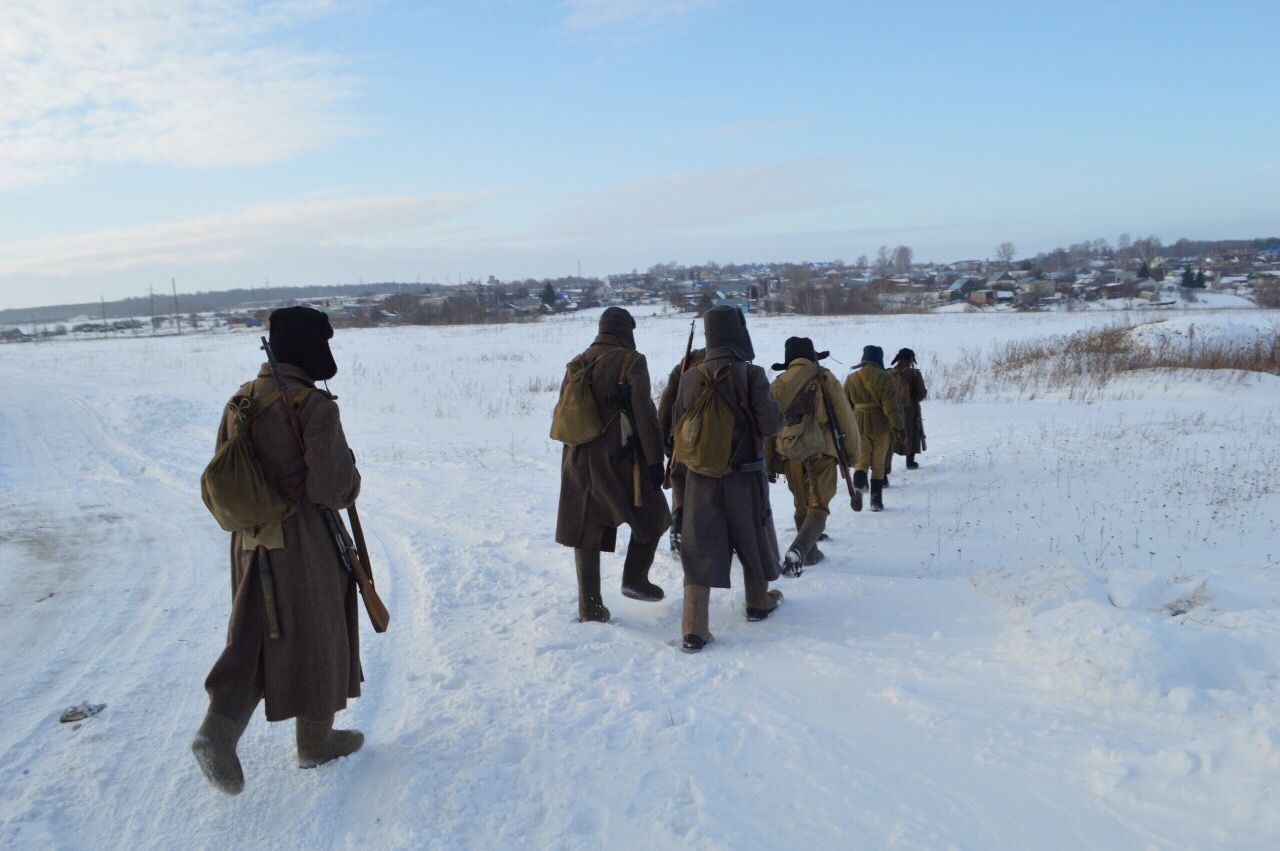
{"x": 195, "y": 83}
{"x": 628, "y": 14}
{"x": 256, "y": 232}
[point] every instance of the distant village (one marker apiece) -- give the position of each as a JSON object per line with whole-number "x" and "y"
{"x": 1135, "y": 275}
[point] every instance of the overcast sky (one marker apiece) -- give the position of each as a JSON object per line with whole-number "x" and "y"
{"x": 225, "y": 142}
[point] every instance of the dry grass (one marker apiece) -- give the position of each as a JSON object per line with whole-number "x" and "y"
{"x": 1084, "y": 362}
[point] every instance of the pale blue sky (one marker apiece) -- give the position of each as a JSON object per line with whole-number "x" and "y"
{"x": 223, "y": 142}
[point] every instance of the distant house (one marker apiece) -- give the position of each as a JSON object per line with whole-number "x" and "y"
{"x": 960, "y": 288}
{"x": 14, "y": 335}
{"x": 527, "y": 306}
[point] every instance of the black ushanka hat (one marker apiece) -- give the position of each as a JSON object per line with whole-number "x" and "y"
{"x": 300, "y": 336}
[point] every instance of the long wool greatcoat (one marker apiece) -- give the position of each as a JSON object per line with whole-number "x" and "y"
{"x": 730, "y": 515}
{"x": 314, "y": 666}
{"x": 911, "y": 392}
{"x": 596, "y": 478}
{"x": 665, "y": 406}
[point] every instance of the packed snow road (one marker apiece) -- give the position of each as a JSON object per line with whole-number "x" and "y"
{"x": 1063, "y": 632}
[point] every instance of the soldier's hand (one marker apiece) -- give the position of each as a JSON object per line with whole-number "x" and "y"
{"x": 773, "y": 478}
{"x": 656, "y": 475}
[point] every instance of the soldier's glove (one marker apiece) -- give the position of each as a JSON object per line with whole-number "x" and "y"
{"x": 773, "y": 478}
{"x": 656, "y": 475}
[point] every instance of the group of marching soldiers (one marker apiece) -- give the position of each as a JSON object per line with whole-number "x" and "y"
{"x": 804, "y": 426}
{"x": 293, "y": 641}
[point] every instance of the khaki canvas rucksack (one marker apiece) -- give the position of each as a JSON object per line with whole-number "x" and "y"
{"x": 802, "y": 438}
{"x": 233, "y": 486}
{"x": 704, "y": 433}
{"x": 576, "y": 418}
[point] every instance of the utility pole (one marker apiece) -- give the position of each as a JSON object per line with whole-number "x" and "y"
{"x": 177, "y": 317}
{"x": 103, "y": 299}
{"x": 152, "y": 289}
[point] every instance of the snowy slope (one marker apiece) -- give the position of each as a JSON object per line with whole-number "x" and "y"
{"x": 1064, "y": 631}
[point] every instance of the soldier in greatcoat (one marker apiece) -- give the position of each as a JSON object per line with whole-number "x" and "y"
{"x": 617, "y": 478}
{"x": 729, "y": 516}
{"x": 313, "y": 668}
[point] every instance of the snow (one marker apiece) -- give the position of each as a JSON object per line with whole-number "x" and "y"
{"x": 1063, "y": 632}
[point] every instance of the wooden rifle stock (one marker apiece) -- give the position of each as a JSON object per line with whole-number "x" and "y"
{"x": 837, "y": 437}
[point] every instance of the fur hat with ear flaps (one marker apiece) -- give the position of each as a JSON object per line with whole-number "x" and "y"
{"x": 617, "y": 326}
{"x": 300, "y": 336}
{"x": 726, "y": 331}
{"x": 905, "y": 356}
{"x": 873, "y": 355}
{"x": 799, "y": 347}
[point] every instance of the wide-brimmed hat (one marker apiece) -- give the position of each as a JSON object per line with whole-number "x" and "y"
{"x": 800, "y": 347}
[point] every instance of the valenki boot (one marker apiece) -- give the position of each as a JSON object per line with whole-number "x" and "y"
{"x": 635, "y": 572}
{"x": 761, "y": 599}
{"x": 319, "y": 743}
{"x": 804, "y": 549}
{"x": 695, "y": 621}
{"x": 877, "y": 495}
{"x": 859, "y": 488}
{"x": 590, "y": 604}
{"x": 215, "y": 750}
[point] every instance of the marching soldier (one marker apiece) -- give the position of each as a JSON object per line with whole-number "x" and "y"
{"x": 805, "y": 450}
{"x": 874, "y": 400}
{"x": 616, "y": 477}
{"x": 726, "y": 509}
{"x": 911, "y": 392}
{"x": 299, "y": 645}
{"x": 665, "y": 406}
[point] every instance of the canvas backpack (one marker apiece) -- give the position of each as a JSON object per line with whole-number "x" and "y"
{"x": 704, "y": 433}
{"x": 576, "y": 418}
{"x": 802, "y": 438}
{"x": 233, "y": 486}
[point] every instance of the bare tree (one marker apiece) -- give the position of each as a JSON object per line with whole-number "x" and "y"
{"x": 1147, "y": 247}
{"x": 863, "y": 262}
{"x": 902, "y": 259}
{"x": 1006, "y": 252}
{"x": 883, "y": 262}
{"x": 1123, "y": 241}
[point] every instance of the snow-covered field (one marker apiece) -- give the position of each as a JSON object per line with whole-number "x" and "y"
{"x": 1063, "y": 632}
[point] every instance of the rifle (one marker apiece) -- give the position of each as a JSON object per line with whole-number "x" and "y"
{"x": 842, "y": 456}
{"x": 378, "y": 614}
{"x": 684, "y": 365}
{"x": 268, "y": 592}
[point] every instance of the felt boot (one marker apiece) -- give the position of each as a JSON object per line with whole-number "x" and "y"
{"x": 761, "y": 599}
{"x": 815, "y": 555}
{"x": 877, "y": 495}
{"x": 859, "y": 488}
{"x": 590, "y": 604}
{"x": 635, "y": 572}
{"x": 911, "y": 463}
{"x": 215, "y": 750}
{"x": 807, "y": 535}
{"x": 694, "y": 622}
{"x": 319, "y": 743}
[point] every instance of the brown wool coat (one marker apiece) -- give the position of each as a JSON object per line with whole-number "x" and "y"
{"x": 877, "y": 412}
{"x": 595, "y": 478}
{"x": 724, "y": 517}
{"x": 314, "y": 667}
{"x": 665, "y": 421}
{"x": 911, "y": 392}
